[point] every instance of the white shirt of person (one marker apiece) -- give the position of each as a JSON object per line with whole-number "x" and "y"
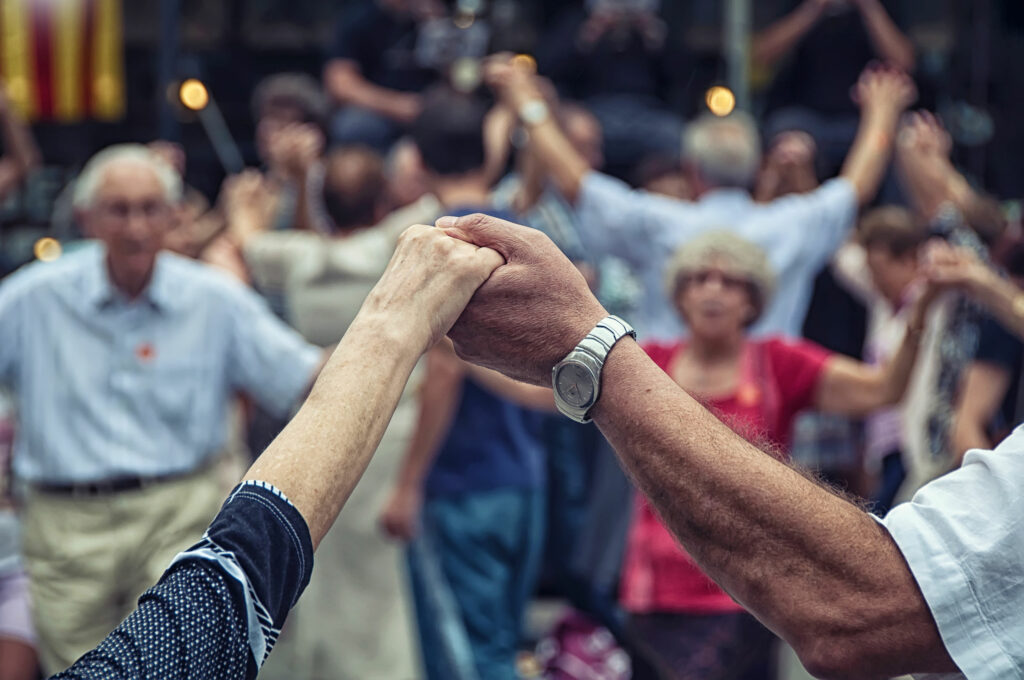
{"x": 798, "y": 232}
{"x": 963, "y": 538}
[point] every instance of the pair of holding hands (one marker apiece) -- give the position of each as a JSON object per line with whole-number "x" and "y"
{"x": 505, "y": 294}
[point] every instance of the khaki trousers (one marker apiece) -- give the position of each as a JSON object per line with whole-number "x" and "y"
{"x": 90, "y": 558}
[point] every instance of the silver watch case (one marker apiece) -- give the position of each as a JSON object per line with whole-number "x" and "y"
{"x": 576, "y": 379}
{"x": 577, "y": 383}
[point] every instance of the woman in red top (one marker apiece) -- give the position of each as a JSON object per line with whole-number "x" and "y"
{"x": 720, "y": 284}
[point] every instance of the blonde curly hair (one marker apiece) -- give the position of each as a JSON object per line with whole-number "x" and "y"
{"x": 740, "y": 257}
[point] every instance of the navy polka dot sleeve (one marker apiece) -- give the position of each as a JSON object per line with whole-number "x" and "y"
{"x": 219, "y": 607}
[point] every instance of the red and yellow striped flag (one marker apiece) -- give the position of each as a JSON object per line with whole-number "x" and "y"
{"x": 63, "y": 60}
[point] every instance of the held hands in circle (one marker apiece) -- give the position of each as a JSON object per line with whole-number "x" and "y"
{"x": 531, "y": 312}
{"x": 428, "y": 282}
{"x": 504, "y": 293}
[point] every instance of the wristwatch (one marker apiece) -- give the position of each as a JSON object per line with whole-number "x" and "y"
{"x": 576, "y": 379}
{"x": 534, "y": 112}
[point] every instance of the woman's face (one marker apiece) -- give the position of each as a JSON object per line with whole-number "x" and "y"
{"x": 714, "y": 301}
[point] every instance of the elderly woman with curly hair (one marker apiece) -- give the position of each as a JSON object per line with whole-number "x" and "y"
{"x": 720, "y": 284}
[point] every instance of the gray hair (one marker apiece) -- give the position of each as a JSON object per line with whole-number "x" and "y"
{"x": 725, "y": 151}
{"x": 742, "y": 259}
{"x": 92, "y": 174}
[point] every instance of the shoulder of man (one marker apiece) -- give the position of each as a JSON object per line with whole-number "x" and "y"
{"x": 61, "y": 275}
{"x": 191, "y": 278}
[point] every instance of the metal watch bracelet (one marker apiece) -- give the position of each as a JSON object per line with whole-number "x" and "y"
{"x": 587, "y": 359}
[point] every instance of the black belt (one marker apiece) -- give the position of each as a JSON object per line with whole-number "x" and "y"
{"x": 106, "y": 487}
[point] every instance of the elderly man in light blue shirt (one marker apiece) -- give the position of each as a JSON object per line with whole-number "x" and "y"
{"x": 123, "y": 359}
{"x": 799, "y": 232}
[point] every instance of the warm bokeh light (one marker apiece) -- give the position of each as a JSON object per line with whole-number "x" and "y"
{"x": 465, "y": 74}
{"x": 525, "y": 61}
{"x": 47, "y": 249}
{"x": 720, "y": 100}
{"x": 193, "y": 94}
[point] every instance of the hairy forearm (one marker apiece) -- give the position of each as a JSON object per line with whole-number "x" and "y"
{"x": 810, "y": 565}
{"x": 889, "y": 42}
{"x": 868, "y": 158}
{"x": 338, "y": 428}
{"x": 780, "y": 38}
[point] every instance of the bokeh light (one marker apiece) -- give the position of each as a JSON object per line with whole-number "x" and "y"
{"x": 526, "y": 62}
{"x": 47, "y": 249}
{"x": 193, "y": 94}
{"x": 720, "y": 100}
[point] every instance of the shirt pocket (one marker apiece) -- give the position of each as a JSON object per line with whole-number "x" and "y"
{"x": 182, "y": 397}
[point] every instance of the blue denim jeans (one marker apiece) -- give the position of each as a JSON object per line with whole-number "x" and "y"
{"x": 473, "y": 569}
{"x": 577, "y": 455}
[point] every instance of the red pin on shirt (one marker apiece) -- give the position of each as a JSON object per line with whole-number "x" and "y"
{"x": 145, "y": 352}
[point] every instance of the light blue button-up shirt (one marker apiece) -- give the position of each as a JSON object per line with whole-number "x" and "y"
{"x": 799, "y": 233}
{"x": 108, "y": 387}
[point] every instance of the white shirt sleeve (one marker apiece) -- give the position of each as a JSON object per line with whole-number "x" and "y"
{"x": 826, "y": 214}
{"x": 269, "y": 360}
{"x": 963, "y": 538}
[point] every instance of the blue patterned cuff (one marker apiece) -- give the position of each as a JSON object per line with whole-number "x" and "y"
{"x": 262, "y": 543}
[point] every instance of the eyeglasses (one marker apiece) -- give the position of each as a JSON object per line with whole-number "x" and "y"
{"x": 123, "y": 211}
{"x": 704, "y": 276}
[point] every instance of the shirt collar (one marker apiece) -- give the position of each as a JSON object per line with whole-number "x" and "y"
{"x": 101, "y": 292}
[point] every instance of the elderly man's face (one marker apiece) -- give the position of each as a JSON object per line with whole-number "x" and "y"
{"x": 131, "y": 215}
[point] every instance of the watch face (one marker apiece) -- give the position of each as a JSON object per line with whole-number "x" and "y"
{"x": 575, "y": 385}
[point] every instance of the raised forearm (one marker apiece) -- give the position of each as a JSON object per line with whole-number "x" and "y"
{"x": 565, "y": 166}
{"x": 1004, "y": 299}
{"x": 866, "y": 163}
{"x": 889, "y": 42}
{"x": 338, "y": 428}
{"x": 897, "y": 372}
{"x": 557, "y": 156}
{"x": 810, "y": 565}
{"x": 780, "y": 38}
{"x": 926, "y": 180}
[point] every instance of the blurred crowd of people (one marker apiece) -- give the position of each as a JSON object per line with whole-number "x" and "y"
{"x": 170, "y": 341}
